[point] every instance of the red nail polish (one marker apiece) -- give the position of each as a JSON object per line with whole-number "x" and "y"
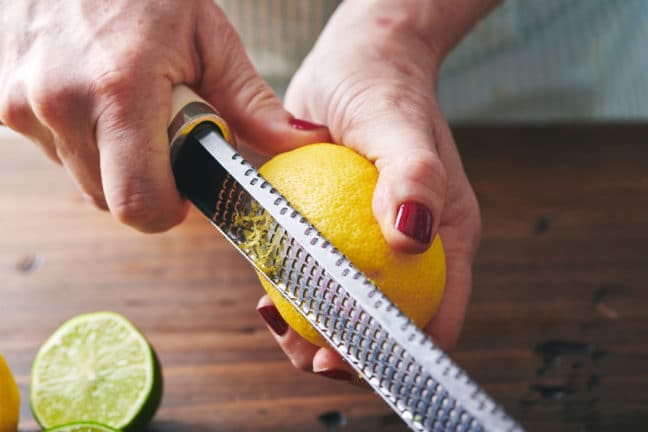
{"x": 271, "y": 316}
{"x": 415, "y": 221}
{"x": 304, "y": 125}
{"x": 335, "y": 374}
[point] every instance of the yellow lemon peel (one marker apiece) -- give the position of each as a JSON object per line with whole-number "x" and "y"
{"x": 9, "y": 399}
{"x": 332, "y": 186}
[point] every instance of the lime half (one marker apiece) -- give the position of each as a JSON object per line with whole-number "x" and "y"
{"x": 96, "y": 367}
{"x": 83, "y": 427}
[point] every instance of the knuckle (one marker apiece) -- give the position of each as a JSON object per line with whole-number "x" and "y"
{"x": 114, "y": 91}
{"x": 123, "y": 70}
{"x": 232, "y": 37}
{"x": 255, "y": 94}
{"x": 229, "y": 36}
{"x": 235, "y": 64}
{"x": 114, "y": 83}
{"x": 210, "y": 11}
{"x": 423, "y": 165}
{"x": 252, "y": 92}
{"x": 15, "y": 112}
{"x": 52, "y": 102}
{"x": 133, "y": 205}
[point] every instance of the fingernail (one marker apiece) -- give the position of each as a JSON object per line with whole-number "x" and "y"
{"x": 271, "y": 316}
{"x": 335, "y": 374}
{"x": 304, "y": 125}
{"x": 415, "y": 221}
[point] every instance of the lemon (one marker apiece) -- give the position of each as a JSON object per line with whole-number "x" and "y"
{"x": 332, "y": 186}
{"x": 9, "y": 399}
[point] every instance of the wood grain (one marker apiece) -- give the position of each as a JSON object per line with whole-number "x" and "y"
{"x": 557, "y": 328}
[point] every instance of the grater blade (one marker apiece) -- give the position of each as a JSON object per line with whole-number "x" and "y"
{"x": 400, "y": 362}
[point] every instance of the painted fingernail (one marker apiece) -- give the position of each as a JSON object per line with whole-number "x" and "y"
{"x": 415, "y": 221}
{"x": 335, "y": 374}
{"x": 271, "y": 316}
{"x": 304, "y": 125}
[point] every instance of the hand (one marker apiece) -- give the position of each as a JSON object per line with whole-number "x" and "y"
{"x": 90, "y": 81}
{"x": 376, "y": 93}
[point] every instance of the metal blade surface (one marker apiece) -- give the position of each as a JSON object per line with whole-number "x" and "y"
{"x": 402, "y": 364}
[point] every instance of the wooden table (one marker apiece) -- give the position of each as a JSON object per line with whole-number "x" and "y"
{"x": 557, "y": 329}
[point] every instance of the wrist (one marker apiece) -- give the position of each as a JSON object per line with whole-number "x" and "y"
{"x": 440, "y": 24}
{"x": 383, "y": 29}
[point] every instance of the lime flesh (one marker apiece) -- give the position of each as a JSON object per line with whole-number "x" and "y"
{"x": 96, "y": 367}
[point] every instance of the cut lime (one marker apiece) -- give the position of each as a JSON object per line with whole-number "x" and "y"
{"x": 96, "y": 367}
{"x": 82, "y": 427}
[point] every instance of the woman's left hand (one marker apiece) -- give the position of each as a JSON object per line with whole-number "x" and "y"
{"x": 371, "y": 80}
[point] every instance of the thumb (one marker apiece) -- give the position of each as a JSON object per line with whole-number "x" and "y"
{"x": 410, "y": 192}
{"x": 245, "y": 100}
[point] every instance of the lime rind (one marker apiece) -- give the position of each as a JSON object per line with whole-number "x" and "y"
{"x": 98, "y": 367}
{"x": 83, "y": 427}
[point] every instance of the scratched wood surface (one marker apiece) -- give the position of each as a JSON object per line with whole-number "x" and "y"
{"x": 557, "y": 329}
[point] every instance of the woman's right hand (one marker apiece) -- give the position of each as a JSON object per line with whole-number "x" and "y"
{"x": 90, "y": 81}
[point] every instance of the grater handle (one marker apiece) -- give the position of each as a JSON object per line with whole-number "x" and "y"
{"x": 183, "y": 96}
{"x": 188, "y": 110}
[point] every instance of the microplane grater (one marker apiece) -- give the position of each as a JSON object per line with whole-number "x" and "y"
{"x": 400, "y": 362}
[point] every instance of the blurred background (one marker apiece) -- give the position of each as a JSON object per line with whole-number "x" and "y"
{"x": 531, "y": 61}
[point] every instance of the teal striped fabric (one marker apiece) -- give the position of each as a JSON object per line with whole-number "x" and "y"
{"x": 551, "y": 60}
{"x": 529, "y": 60}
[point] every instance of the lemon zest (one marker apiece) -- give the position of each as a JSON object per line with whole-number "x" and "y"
{"x": 260, "y": 243}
